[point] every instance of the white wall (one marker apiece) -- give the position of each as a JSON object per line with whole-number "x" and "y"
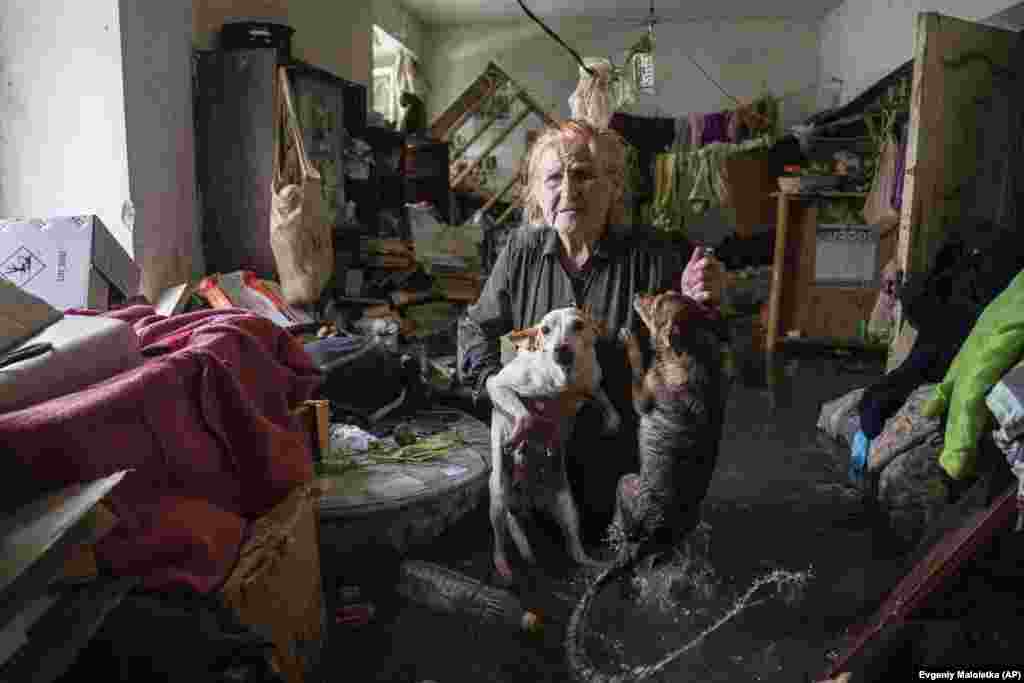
{"x": 863, "y": 40}
{"x": 63, "y": 147}
{"x": 743, "y": 56}
{"x": 160, "y": 133}
{"x": 400, "y": 24}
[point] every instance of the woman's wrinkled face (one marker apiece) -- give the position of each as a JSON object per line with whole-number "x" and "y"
{"x": 569, "y": 190}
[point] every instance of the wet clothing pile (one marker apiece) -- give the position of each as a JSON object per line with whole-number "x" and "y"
{"x": 1006, "y": 402}
{"x": 943, "y": 307}
{"x": 204, "y": 425}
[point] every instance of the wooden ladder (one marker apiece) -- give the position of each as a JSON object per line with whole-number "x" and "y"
{"x": 486, "y": 86}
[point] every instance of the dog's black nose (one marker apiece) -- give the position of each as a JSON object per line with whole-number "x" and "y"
{"x": 564, "y": 355}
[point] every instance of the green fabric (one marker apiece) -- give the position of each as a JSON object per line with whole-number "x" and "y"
{"x": 709, "y": 188}
{"x": 673, "y": 211}
{"x": 993, "y": 347}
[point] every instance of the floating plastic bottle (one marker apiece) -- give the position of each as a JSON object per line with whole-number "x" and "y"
{"x": 449, "y": 591}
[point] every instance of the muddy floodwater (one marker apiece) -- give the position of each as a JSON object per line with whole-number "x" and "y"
{"x": 778, "y": 503}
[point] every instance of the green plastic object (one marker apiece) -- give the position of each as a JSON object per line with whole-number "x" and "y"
{"x": 993, "y": 347}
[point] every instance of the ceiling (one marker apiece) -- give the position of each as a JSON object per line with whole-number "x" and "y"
{"x": 448, "y": 12}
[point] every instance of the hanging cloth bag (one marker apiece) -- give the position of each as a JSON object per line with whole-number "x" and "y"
{"x": 300, "y": 234}
{"x": 878, "y": 208}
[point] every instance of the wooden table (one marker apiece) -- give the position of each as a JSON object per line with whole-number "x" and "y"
{"x": 795, "y": 301}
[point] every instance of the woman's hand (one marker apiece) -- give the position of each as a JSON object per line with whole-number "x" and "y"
{"x": 703, "y": 278}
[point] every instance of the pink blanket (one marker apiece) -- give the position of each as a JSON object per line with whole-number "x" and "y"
{"x": 205, "y": 426}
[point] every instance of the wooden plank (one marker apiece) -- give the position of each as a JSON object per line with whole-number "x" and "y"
{"x": 795, "y": 309}
{"x": 490, "y": 148}
{"x": 836, "y": 312}
{"x": 476, "y": 136}
{"x": 887, "y": 246}
{"x": 504, "y": 190}
{"x": 467, "y": 103}
{"x": 750, "y": 179}
{"x": 958, "y": 65}
{"x": 819, "y": 195}
{"x": 778, "y": 273}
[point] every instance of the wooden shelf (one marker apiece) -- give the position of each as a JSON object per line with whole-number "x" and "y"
{"x": 821, "y": 312}
{"x": 851, "y": 344}
{"x": 820, "y": 195}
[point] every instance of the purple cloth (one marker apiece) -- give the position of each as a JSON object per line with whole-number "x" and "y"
{"x": 696, "y": 130}
{"x": 205, "y": 425}
{"x": 716, "y": 128}
{"x": 901, "y": 165}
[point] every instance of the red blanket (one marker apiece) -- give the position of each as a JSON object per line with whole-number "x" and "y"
{"x": 204, "y": 424}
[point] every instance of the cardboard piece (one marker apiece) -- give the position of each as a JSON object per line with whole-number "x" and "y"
{"x": 276, "y": 587}
{"x": 69, "y": 262}
{"x": 22, "y": 315}
{"x": 35, "y": 540}
{"x": 173, "y": 300}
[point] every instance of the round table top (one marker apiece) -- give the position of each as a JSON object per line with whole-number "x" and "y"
{"x": 374, "y": 488}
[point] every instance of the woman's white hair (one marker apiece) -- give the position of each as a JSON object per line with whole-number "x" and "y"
{"x": 606, "y": 147}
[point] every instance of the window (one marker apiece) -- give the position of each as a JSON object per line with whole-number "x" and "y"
{"x": 383, "y": 92}
{"x": 386, "y": 50}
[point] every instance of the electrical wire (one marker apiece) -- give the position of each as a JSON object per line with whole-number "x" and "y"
{"x": 558, "y": 40}
{"x": 650, "y": 27}
{"x": 708, "y": 76}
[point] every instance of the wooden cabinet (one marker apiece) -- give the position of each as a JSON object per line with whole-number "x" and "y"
{"x": 798, "y": 301}
{"x": 956, "y": 146}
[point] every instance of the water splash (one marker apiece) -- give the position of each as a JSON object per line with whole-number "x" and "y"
{"x": 789, "y": 586}
{"x": 686, "y": 588}
{"x": 686, "y": 579}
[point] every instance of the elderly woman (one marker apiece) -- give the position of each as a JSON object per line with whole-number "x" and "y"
{"x": 576, "y": 251}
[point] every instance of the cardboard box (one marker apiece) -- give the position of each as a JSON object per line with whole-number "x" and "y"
{"x": 69, "y": 262}
{"x": 276, "y": 588}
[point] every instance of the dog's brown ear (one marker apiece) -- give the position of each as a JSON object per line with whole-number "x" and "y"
{"x": 526, "y": 340}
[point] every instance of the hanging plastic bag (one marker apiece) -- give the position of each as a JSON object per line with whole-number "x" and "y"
{"x": 300, "y": 234}
{"x": 878, "y": 206}
{"x": 883, "y": 315}
{"x": 600, "y": 94}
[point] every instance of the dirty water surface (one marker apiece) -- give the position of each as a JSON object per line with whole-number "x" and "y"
{"x": 778, "y": 503}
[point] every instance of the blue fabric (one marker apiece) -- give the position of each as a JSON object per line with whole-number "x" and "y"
{"x": 859, "y": 457}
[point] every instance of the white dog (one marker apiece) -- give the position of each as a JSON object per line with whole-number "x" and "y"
{"x": 555, "y": 372}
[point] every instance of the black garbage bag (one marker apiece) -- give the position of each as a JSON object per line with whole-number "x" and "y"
{"x": 364, "y": 380}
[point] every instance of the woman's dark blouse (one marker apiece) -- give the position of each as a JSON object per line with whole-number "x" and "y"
{"x": 528, "y": 281}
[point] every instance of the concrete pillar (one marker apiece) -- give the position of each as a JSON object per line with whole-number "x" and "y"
{"x": 97, "y": 118}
